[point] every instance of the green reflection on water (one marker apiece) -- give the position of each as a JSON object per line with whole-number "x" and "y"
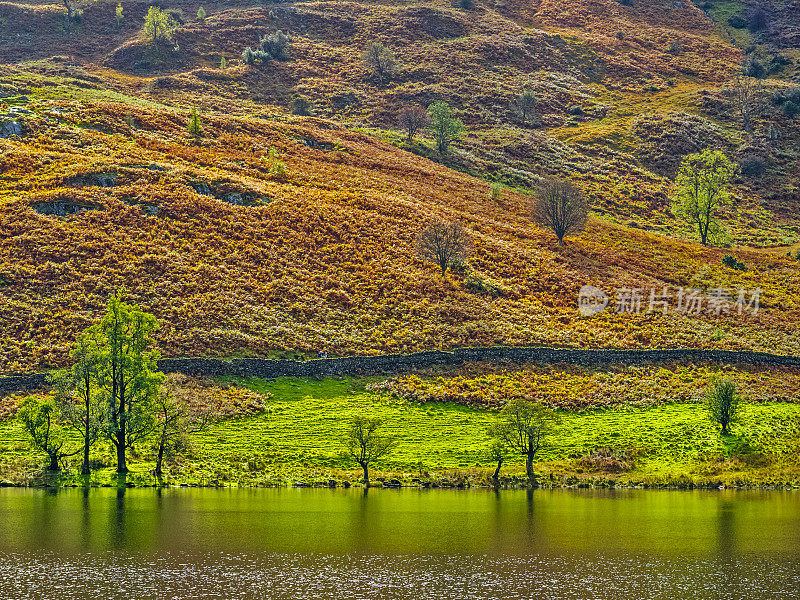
{"x": 664, "y": 524}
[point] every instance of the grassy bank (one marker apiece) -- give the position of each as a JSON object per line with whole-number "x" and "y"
{"x": 297, "y": 439}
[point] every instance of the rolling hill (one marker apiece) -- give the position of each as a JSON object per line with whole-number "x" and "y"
{"x": 309, "y": 248}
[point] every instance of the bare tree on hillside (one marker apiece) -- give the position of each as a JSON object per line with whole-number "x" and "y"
{"x": 748, "y": 97}
{"x": 524, "y": 108}
{"x": 561, "y": 206}
{"x": 412, "y": 119}
{"x": 445, "y": 243}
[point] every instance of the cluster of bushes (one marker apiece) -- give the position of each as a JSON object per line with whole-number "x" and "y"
{"x": 273, "y": 46}
{"x": 764, "y": 66}
{"x": 788, "y": 101}
{"x": 756, "y": 19}
{"x": 730, "y": 261}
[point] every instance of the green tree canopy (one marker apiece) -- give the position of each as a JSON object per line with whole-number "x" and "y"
{"x": 127, "y": 373}
{"x": 40, "y": 418}
{"x": 722, "y": 402}
{"x": 702, "y": 188}
{"x": 524, "y": 427}
{"x": 158, "y": 25}
{"x": 79, "y": 404}
{"x": 445, "y": 127}
{"x": 365, "y": 444}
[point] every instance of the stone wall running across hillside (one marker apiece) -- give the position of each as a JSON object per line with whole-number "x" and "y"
{"x": 395, "y": 363}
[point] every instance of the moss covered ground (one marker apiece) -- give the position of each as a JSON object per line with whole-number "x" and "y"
{"x": 298, "y": 439}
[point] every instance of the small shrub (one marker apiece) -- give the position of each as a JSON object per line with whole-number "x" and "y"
{"x": 496, "y": 191}
{"x": 251, "y": 57}
{"x": 575, "y": 110}
{"x": 608, "y": 460}
{"x": 301, "y": 106}
{"x": 119, "y": 16}
{"x": 731, "y": 262}
{"x": 195, "y": 127}
{"x": 791, "y": 109}
{"x": 753, "y": 166}
{"x": 201, "y": 14}
{"x": 755, "y": 68}
{"x": 480, "y": 285}
{"x": 466, "y": 4}
{"x": 276, "y": 168}
{"x": 676, "y": 47}
{"x": 223, "y": 64}
{"x": 777, "y": 62}
{"x": 737, "y": 22}
{"x": 773, "y": 133}
{"x": 277, "y": 45}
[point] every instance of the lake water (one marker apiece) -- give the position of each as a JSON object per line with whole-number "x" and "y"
{"x": 308, "y": 543}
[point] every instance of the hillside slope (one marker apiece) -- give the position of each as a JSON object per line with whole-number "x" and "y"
{"x": 105, "y": 190}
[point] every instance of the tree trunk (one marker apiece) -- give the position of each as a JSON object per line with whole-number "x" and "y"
{"x": 496, "y": 475}
{"x": 366, "y": 474}
{"x": 160, "y": 457}
{"x": 529, "y": 469}
{"x": 85, "y": 470}
{"x": 122, "y": 465}
{"x": 53, "y": 466}
{"x": 85, "y": 466}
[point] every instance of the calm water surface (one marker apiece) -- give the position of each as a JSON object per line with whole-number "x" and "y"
{"x": 287, "y": 543}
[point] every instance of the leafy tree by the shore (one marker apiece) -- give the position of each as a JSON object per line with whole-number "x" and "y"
{"x": 702, "y": 188}
{"x": 40, "y": 418}
{"x": 176, "y": 418}
{"x": 127, "y": 374}
{"x": 77, "y": 397}
{"x": 497, "y": 453}
{"x": 365, "y": 444}
{"x": 722, "y": 402}
{"x": 524, "y": 427}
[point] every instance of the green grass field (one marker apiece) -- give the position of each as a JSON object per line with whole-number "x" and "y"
{"x": 299, "y": 439}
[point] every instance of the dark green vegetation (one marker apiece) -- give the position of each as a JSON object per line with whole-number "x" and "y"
{"x": 299, "y": 438}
